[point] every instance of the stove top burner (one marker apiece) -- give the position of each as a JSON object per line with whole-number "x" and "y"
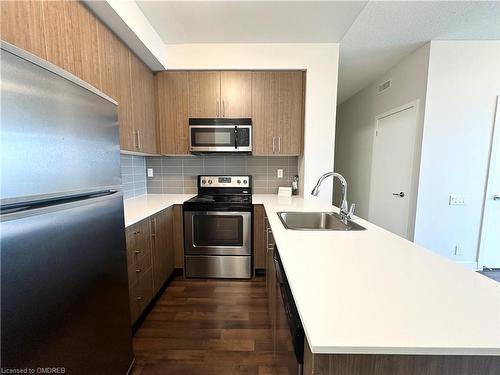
{"x": 222, "y": 193}
{"x": 211, "y": 199}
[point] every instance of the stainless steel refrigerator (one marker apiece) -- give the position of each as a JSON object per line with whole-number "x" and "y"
{"x": 64, "y": 289}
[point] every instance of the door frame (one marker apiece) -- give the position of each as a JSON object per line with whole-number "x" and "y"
{"x": 412, "y": 194}
{"x": 494, "y": 150}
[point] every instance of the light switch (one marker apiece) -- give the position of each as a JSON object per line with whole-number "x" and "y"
{"x": 457, "y": 200}
{"x": 150, "y": 172}
{"x": 280, "y": 173}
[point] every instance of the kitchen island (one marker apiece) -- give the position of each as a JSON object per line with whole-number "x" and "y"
{"x": 371, "y": 299}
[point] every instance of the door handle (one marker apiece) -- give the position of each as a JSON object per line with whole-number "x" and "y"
{"x": 496, "y": 197}
{"x": 400, "y": 194}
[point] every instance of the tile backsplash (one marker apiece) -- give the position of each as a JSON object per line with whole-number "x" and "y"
{"x": 175, "y": 174}
{"x": 133, "y": 170}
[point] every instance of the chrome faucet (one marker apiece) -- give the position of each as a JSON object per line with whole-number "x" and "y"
{"x": 345, "y": 212}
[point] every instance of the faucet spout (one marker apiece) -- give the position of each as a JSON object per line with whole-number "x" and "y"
{"x": 344, "y": 211}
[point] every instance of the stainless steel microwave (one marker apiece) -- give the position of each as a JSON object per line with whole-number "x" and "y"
{"x": 224, "y": 135}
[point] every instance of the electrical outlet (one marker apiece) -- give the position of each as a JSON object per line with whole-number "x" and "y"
{"x": 458, "y": 250}
{"x": 150, "y": 172}
{"x": 280, "y": 173}
{"x": 457, "y": 200}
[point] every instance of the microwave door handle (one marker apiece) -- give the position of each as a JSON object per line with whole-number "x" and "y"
{"x": 236, "y": 137}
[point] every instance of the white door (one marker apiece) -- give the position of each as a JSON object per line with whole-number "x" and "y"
{"x": 489, "y": 250}
{"x": 393, "y": 169}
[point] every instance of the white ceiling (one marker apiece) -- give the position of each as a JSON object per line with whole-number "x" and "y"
{"x": 251, "y": 21}
{"x": 385, "y": 32}
{"x": 373, "y": 35}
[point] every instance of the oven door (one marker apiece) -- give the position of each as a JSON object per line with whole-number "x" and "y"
{"x": 217, "y": 233}
{"x": 220, "y": 138}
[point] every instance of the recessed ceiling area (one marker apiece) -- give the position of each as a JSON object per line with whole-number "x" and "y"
{"x": 251, "y": 21}
{"x": 373, "y": 36}
{"x": 385, "y": 32}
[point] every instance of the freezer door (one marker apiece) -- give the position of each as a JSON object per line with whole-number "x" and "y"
{"x": 56, "y": 136}
{"x": 64, "y": 288}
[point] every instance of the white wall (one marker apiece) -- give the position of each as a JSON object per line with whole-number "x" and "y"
{"x": 321, "y": 63}
{"x": 356, "y": 122}
{"x": 463, "y": 82}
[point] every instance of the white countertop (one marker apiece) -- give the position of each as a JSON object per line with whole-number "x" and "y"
{"x": 139, "y": 208}
{"x": 372, "y": 292}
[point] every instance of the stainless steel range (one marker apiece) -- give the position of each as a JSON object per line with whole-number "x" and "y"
{"x": 218, "y": 228}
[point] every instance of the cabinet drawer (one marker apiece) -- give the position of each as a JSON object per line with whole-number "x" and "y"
{"x": 139, "y": 268}
{"x": 140, "y": 294}
{"x": 138, "y": 242}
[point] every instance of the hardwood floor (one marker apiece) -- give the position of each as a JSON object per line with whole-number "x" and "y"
{"x": 207, "y": 327}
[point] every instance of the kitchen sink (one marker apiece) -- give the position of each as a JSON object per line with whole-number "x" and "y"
{"x": 316, "y": 221}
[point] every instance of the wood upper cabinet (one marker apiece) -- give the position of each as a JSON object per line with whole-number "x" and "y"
{"x": 289, "y": 132}
{"x": 220, "y": 94}
{"x": 143, "y": 115}
{"x": 264, "y": 111}
{"x": 62, "y": 32}
{"x": 71, "y": 39}
{"x": 172, "y": 112}
{"x": 204, "y": 94}
{"x": 116, "y": 81}
{"x": 22, "y": 25}
{"x": 236, "y": 94}
{"x": 277, "y": 112}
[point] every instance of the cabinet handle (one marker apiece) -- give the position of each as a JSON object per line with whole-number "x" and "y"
{"x": 153, "y": 221}
{"x": 217, "y": 108}
{"x": 137, "y": 252}
{"x": 273, "y": 145}
{"x": 223, "y": 108}
{"x": 138, "y": 139}
{"x": 138, "y": 298}
{"x": 137, "y": 271}
{"x": 279, "y": 145}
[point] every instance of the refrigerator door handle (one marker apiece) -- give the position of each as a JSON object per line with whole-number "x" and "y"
{"x": 29, "y": 205}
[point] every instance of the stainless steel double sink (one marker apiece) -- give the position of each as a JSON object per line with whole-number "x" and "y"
{"x": 316, "y": 221}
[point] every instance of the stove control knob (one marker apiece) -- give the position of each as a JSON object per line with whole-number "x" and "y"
{"x": 245, "y": 182}
{"x": 210, "y": 182}
{"x": 239, "y": 181}
{"x": 203, "y": 182}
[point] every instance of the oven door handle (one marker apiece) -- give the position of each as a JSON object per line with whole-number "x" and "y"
{"x": 236, "y": 137}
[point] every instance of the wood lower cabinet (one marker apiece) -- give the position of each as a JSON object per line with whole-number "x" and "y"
{"x": 259, "y": 237}
{"x": 150, "y": 258}
{"x": 398, "y": 364}
{"x": 162, "y": 247}
{"x": 278, "y": 112}
{"x": 172, "y": 112}
{"x": 178, "y": 236}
